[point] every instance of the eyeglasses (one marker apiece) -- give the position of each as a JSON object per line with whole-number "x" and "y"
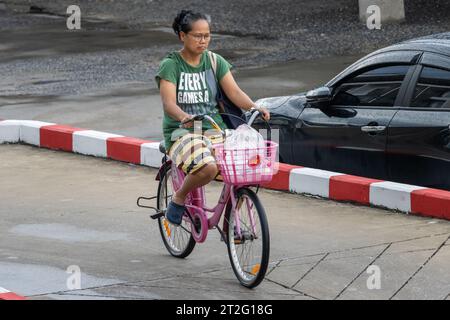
{"x": 198, "y": 36}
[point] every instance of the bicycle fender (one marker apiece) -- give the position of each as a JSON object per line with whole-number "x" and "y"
{"x": 163, "y": 167}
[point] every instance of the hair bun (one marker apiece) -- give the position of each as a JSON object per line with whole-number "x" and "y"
{"x": 184, "y": 18}
{"x": 180, "y": 19}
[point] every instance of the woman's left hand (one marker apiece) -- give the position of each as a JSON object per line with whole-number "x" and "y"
{"x": 265, "y": 113}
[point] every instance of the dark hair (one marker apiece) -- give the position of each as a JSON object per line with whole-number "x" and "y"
{"x": 184, "y": 19}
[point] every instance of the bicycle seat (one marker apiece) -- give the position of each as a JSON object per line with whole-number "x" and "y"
{"x": 162, "y": 147}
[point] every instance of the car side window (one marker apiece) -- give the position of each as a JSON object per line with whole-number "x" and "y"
{"x": 432, "y": 89}
{"x": 375, "y": 87}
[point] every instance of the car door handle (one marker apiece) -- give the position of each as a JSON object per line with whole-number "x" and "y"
{"x": 369, "y": 129}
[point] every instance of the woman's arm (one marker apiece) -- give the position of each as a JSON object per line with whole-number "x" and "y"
{"x": 239, "y": 97}
{"x": 168, "y": 92}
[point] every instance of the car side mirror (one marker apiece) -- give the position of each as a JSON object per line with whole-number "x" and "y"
{"x": 320, "y": 97}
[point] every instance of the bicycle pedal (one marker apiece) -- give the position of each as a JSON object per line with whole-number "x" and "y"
{"x": 157, "y": 215}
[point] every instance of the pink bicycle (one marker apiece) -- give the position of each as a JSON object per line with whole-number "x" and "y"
{"x": 245, "y": 228}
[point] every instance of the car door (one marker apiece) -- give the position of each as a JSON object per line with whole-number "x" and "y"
{"x": 419, "y": 135}
{"x": 350, "y": 134}
{"x": 284, "y": 112}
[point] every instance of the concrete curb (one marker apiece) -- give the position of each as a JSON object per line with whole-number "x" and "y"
{"x": 8, "y": 295}
{"x": 295, "y": 179}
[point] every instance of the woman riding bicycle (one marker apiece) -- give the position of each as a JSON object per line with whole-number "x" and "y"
{"x": 188, "y": 87}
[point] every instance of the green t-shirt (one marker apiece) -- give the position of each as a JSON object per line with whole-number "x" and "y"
{"x": 196, "y": 90}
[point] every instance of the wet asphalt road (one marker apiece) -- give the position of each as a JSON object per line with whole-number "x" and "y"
{"x": 135, "y": 110}
{"x": 101, "y": 77}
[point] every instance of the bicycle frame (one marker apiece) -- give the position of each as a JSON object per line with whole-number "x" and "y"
{"x": 234, "y": 198}
{"x": 196, "y": 204}
{"x": 197, "y": 209}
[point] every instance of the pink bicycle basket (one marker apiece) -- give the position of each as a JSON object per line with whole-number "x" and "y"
{"x": 247, "y": 166}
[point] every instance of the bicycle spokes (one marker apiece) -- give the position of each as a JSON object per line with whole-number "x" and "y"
{"x": 249, "y": 240}
{"x": 177, "y": 239}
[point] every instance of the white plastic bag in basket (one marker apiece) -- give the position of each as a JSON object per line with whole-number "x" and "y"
{"x": 244, "y": 138}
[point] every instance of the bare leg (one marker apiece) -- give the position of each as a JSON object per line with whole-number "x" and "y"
{"x": 195, "y": 180}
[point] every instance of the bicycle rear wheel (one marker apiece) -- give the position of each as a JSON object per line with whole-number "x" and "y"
{"x": 249, "y": 252}
{"x": 177, "y": 239}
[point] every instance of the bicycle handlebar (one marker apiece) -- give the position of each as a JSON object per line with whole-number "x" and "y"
{"x": 254, "y": 113}
{"x": 195, "y": 118}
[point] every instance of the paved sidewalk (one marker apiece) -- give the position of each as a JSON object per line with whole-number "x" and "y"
{"x": 60, "y": 209}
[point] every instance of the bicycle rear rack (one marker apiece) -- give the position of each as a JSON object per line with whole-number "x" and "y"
{"x": 158, "y": 214}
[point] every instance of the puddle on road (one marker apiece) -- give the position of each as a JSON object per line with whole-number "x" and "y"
{"x": 122, "y": 55}
{"x": 66, "y": 233}
{"x": 53, "y": 40}
{"x": 29, "y": 279}
{"x": 291, "y": 77}
{"x": 102, "y": 77}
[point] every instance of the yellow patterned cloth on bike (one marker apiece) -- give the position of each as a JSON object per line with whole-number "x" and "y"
{"x": 192, "y": 151}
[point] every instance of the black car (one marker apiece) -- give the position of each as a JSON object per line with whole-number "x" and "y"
{"x": 387, "y": 116}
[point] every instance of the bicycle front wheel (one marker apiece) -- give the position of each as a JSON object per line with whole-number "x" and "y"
{"x": 177, "y": 239}
{"x": 248, "y": 238}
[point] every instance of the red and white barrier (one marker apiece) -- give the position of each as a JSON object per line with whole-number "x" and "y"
{"x": 30, "y": 131}
{"x": 313, "y": 181}
{"x": 8, "y": 295}
{"x": 93, "y": 143}
{"x": 10, "y": 131}
{"x": 296, "y": 179}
